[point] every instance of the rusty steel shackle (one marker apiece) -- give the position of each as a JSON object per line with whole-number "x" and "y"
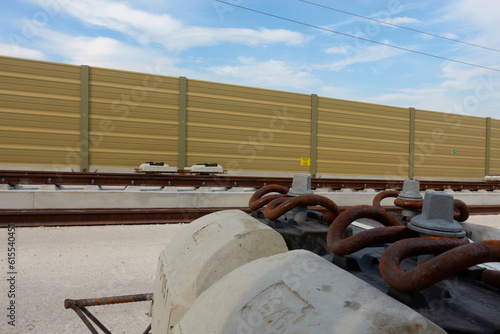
{"x": 257, "y": 201}
{"x": 458, "y": 205}
{"x": 455, "y": 255}
{"x": 283, "y": 204}
{"x": 394, "y": 230}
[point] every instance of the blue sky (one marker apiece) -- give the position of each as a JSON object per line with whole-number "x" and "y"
{"x": 207, "y": 40}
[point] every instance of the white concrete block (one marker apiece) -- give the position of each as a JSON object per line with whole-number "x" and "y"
{"x": 132, "y": 188}
{"x": 48, "y": 187}
{"x": 201, "y": 254}
{"x": 13, "y": 199}
{"x": 170, "y": 189}
{"x": 92, "y": 187}
{"x": 298, "y": 292}
{"x": 5, "y": 187}
{"x": 236, "y": 190}
{"x": 481, "y": 232}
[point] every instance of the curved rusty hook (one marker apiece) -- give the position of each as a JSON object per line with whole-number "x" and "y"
{"x": 458, "y": 255}
{"x": 384, "y": 194}
{"x": 393, "y": 231}
{"x": 282, "y": 205}
{"x": 463, "y": 210}
{"x": 408, "y": 204}
{"x": 257, "y": 201}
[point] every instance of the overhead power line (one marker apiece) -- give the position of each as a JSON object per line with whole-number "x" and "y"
{"x": 359, "y": 38}
{"x": 400, "y": 26}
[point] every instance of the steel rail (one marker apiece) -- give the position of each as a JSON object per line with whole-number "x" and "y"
{"x": 14, "y": 178}
{"x": 83, "y": 217}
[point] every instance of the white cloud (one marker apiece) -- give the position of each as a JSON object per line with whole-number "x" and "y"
{"x": 117, "y": 16}
{"x": 434, "y": 98}
{"x": 198, "y": 36}
{"x": 337, "y": 92}
{"x": 18, "y": 51}
{"x": 368, "y": 54}
{"x": 425, "y": 37}
{"x": 449, "y": 35}
{"x": 479, "y": 19}
{"x": 338, "y": 50}
{"x": 108, "y": 53}
{"x": 166, "y": 30}
{"x": 270, "y": 73}
{"x": 401, "y": 20}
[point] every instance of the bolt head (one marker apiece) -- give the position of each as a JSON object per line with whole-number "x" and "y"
{"x": 411, "y": 191}
{"x": 301, "y": 185}
{"x": 437, "y": 216}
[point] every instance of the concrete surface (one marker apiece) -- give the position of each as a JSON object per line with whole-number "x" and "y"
{"x": 137, "y": 198}
{"x": 55, "y": 263}
{"x": 81, "y": 262}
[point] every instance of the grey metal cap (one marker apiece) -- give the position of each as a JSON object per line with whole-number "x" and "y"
{"x": 301, "y": 185}
{"x": 437, "y": 216}
{"x": 411, "y": 191}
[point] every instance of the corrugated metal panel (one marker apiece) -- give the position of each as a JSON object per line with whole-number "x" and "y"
{"x": 495, "y": 147}
{"x": 247, "y": 129}
{"x": 39, "y": 113}
{"x": 133, "y": 118}
{"x": 449, "y": 145}
{"x": 362, "y": 139}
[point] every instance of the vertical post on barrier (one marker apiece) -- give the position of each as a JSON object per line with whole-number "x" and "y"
{"x": 488, "y": 146}
{"x": 84, "y": 118}
{"x": 314, "y": 134}
{"x": 411, "y": 157}
{"x": 182, "y": 121}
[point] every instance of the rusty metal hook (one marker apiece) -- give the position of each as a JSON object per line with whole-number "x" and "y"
{"x": 457, "y": 255}
{"x": 384, "y": 194}
{"x": 257, "y": 201}
{"x": 393, "y": 231}
{"x": 282, "y": 205}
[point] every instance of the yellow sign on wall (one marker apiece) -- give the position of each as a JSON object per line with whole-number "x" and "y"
{"x": 305, "y": 161}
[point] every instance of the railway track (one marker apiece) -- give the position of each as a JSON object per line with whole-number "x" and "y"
{"x": 90, "y": 217}
{"x": 135, "y": 216}
{"x": 16, "y": 178}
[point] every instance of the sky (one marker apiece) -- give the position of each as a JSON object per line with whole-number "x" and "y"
{"x": 310, "y": 51}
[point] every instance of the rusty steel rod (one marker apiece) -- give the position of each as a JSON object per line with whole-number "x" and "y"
{"x": 109, "y": 300}
{"x": 457, "y": 255}
{"x": 393, "y": 230}
{"x": 80, "y": 307}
